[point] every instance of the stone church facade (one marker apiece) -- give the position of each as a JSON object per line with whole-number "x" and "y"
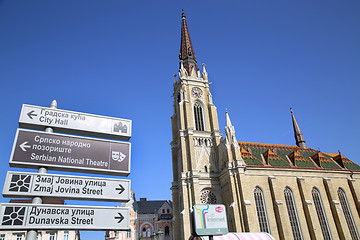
{"x": 291, "y": 192}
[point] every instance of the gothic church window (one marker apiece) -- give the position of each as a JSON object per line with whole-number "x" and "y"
{"x": 199, "y": 118}
{"x": 348, "y": 215}
{"x": 293, "y": 214}
{"x": 319, "y": 207}
{"x": 261, "y": 210}
{"x": 207, "y": 197}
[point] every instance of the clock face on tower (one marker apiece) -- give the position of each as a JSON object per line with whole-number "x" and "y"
{"x": 196, "y": 92}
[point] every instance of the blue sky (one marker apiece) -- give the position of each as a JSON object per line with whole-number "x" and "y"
{"x": 117, "y": 58}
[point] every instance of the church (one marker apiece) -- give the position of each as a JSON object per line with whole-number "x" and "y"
{"x": 289, "y": 191}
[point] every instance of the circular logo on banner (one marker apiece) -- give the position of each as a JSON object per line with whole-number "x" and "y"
{"x": 219, "y": 209}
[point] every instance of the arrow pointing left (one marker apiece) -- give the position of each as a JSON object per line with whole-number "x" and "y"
{"x": 120, "y": 217}
{"x": 31, "y": 114}
{"x": 23, "y": 146}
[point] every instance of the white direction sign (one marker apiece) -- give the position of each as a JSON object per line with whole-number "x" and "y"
{"x": 62, "y": 152}
{"x": 53, "y": 217}
{"x": 21, "y": 184}
{"x": 63, "y": 121}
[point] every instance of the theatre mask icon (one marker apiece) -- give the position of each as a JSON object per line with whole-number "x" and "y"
{"x": 118, "y": 156}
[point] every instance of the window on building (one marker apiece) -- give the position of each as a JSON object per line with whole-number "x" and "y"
{"x": 163, "y": 211}
{"x": 19, "y": 237}
{"x": 207, "y": 197}
{"x": 52, "y": 236}
{"x": 168, "y": 210}
{"x": 66, "y": 235}
{"x": 144, "y": 232}
{"x": 2, "y": 236}
{"x": 348, "y": 215}
{"x": 148, "y": 232}
{"x": 293, "y": 214}
{"x": 319, "y": 207}
{"x": 199, "y": 119}
{"x": 167, "y": 230}
{"x": 128, "y": 234}
{"x": 261, "y": 210}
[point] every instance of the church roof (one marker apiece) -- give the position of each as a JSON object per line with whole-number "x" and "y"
{"x": 288, "y": 156}
{"x": 343, "y": 161}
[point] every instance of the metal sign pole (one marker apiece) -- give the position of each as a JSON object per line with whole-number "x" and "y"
{"x": 32, "y": 234}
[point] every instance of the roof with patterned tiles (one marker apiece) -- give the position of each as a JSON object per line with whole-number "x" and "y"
{"x": 274, "y": 160}
{"x": 288, "y": 156}
{"x": 300, "y": 161}
{"x": 343, "y": 161}
{"x": 187, "y": 54}
{"x": 249, "y": 158}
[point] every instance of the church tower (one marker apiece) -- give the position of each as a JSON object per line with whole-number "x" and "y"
{"x": 195, "y": 137}
{"x": 290, "y": 192}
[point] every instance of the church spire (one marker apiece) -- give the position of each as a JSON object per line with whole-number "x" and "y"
{"x": 187, "y": 54}
{"x": 228, "y": 122}
{"x": 300, "y": 141}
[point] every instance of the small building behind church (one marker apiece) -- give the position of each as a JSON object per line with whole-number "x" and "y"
{"x": 149, "y": 219}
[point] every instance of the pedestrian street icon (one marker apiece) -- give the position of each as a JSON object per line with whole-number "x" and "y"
{"x": 13, "y": 216}
{"x": 20, "y": 183}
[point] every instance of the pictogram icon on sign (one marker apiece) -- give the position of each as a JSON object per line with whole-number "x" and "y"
{"x": 13, "y": 216}
{"x": 20, "y": 183}
{"x": 219, "y": 209}
{"x": 118, "y": 156}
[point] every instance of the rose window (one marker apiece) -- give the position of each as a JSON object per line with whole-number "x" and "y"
{"x": 207, "y": 197}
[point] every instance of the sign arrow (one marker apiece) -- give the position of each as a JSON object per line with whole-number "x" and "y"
{"x": 120, "y": 217}
{"x": 23, "y": 146}
{"x": 120, "y": 188}
{"x": 31, "y": 114}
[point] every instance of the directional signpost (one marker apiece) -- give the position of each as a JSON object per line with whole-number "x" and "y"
{"x": 30, "y": 216}
{"x": 47, "y": 150}
{"x": 34, "y": 149}
{"x": 63, "y": 121}
{"x": 21, "y": 184}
